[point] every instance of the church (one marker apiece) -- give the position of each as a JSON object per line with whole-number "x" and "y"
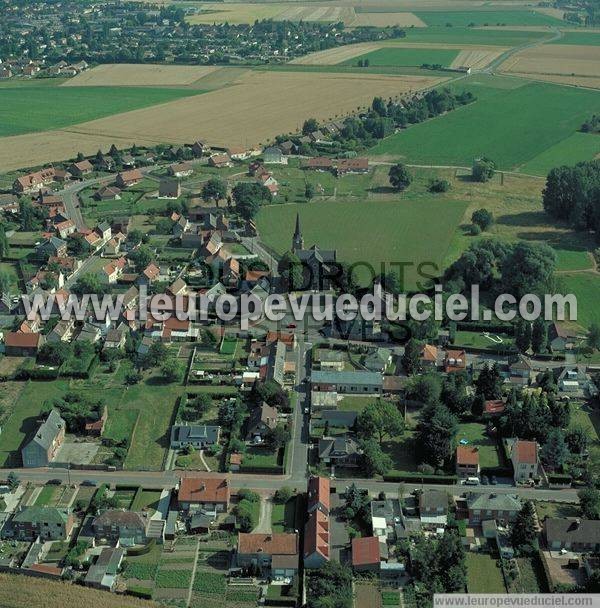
{"x": 319, "y": 265}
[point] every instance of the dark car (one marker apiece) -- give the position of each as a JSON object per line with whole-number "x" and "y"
{"x": 54, "y": 482}
{"x": 89, "y": 482}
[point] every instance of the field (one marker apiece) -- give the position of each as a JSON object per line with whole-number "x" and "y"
{"x": 222, "y": 117}
{"x": 470, "y": 35}
{"x": 59, "y": 107}
{"x": 586, "y": 287}
{"x": 382, "y": 19}
{"x": 579, "y": 38}
{"x": 407, "y": 56}
{"x": 14, "y": 593}
{"x": 411, "y": 232}
{"x": 486, "y": 17}
{"x": 483, "y": 575}
{"x": 475, "y": 434}
{"x": 556, "y": 59}
{"x": 513, "y": 125}
{"x": 575, "y": 148}
{"x": 125, "y": 74}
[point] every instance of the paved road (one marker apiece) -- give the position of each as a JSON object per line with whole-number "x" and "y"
{"x": 168, "y": 479}
{"x": 300, "y": 438}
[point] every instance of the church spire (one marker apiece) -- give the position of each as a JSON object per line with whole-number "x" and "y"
{"x": 297, "y": 240}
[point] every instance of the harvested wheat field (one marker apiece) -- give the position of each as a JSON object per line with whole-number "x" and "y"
{"x": 589, "y": 82}
{"x": 235, "y": 13}
{"x": 387, "y": 19}
{"x": 127, "y": 74}
{"x": 556, "y": 59}
{"x": 476, "y": 58}
{"x": 317, "y": 13}
{"x": 24, "y": 592}
{"x": 257, "y": 107}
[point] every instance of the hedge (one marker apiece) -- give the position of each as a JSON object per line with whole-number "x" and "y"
{"x": 497, "y": 471}
{"x": 133, "y": 551}
{"x": 423, "y": 478}
{"x": 142, "y": 592}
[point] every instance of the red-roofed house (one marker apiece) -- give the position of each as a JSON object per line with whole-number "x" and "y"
{"x": 429, "y": 356}
{"x": 455, "y": 361}
{"x": 204, "y": 493}
{"x": 18, "y": 344}
{"x": 112, "y": 271}
{"x": 494, "y": 407}
{"x": 524, "y": 456}
{"x": 316, "y": 531}
{"x": 149, "y": 274}
{"x": 129, "y": 178}
{"x": 467, "y": 461}
{"x": 274, "y": 554}
{"x": 366, "y": 554}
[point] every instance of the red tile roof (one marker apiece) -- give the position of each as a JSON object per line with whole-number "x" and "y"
{"x": 429, "y": 353}
{"x": 316, "y": 534}
{"x": 365, "y": 551}
{"x": 526, "y": 451}
{"x": 22, "y": 340}
{"x": 467, "y": 455}
{"x": 494, "y": 406}
{"x": 318, "y": 492}
{"x": 269, "y": 544}
{"x": 204, "y": 489}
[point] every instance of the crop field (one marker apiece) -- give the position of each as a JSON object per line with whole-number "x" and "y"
{"x": 556, "y": 59}
{"x": 413, "y": 232}
{"x": 59, "y": 107}
{"x": 579, "y": 38}
{"x": 575, "y": 148}
{"x": 486, "y": 17}
{"x": 317, "y": 13}
{"x": 234, "y": 13}
{"x": 14, "y": 593}
{"x": 511, "y": 125}
{"x": 126, "y": 74}
{"x": 474, "y": 36}
{"x": 407, "y": 56}
{"x": 285, "y": 99}
{"x": 586, "y": 288}
{"x": 377, "y": 19}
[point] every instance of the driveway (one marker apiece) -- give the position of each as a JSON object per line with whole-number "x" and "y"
{"x": 264, "y": 518}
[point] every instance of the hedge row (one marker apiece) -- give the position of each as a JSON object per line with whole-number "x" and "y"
{"x": 420, "y": 477}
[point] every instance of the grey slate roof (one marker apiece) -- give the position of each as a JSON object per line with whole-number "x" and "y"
{"x": 494, "y": 502}
{"x": 584, "y": 531}
{"x": 337, "y": 445}
{"x": 194, "y": 432}
{"x": 48, "y": 430}
{"x": 341, "y": 418}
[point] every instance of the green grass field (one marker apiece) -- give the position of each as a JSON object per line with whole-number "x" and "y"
{"x": 576, "y": 148}
{"x": 398, "y": 57}
{"x": 485, "y": 17}
{"x": 579, "y": 38}
{"x": 469, "y": 35}
{"x": 573, "y": 259}
{"x": 370, "y": 233}
{"x": 586, "y": 288}
{"x": 483, "y": 575}
{"x": 57, "y": 107}
{"x": 510, "y": 125}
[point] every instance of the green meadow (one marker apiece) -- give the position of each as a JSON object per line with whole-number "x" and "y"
{"x": 576, "y": 148}
{"x": 485, "y": 17}
{"x": 469, "y": 35}
{"x": 398, "y": 57}
{"x": 512, "y": 125}
{"x": 375, "y": 232}
{"x": 26, "y": 109}
{"x": 580, "y": 38}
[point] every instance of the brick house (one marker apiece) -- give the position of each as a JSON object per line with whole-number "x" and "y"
{"x": 210, "y": 494}
{"x": 467, "y": 461}
{"x": 41, "y": 449}
{"x": 49, "y": 523}
{"x": 525, "y": 459}
{"x": 272, "y": 554}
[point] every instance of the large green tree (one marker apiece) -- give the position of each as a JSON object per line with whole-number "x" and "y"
{"x": 381, "y": 419}
{"x": 400, "y": 177}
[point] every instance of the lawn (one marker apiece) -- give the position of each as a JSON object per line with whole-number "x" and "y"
{"x": 483, "y": 575}
{"x": 587, "y": 417}
{"x": 283, "y": 516}
{"x": 10, "y": 269}
{"x": 46, "y": 496}
{"x": 512, "y": 125}
{"x": 354, "y": 403}
{"x": 575, "y": 148}
{"x": 475, "y": 434}
{"x": 59, "y": 107}
{"x": 476, "y": 339}
{"x": 485, "y": 17}
{"x": 406, "y": 57}
{"x": 371, "y": 234}
{"x": 530, "y": 578}
{"x": 555, "y": 509}
{"x": 585, "y": 286}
